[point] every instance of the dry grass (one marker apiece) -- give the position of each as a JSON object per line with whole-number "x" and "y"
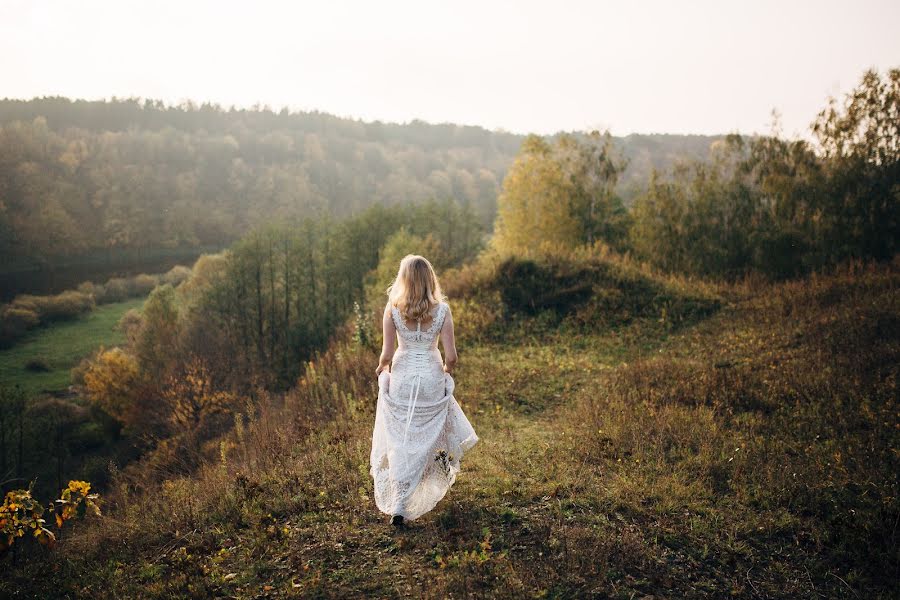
{"x": 748, "y": 453}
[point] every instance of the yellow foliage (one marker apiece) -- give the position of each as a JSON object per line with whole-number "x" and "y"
{"x": 111, "y": 381}
{"x": 77, "y": 501}
{"x": 534, "y": 207}
{"x": 19, "y": 514}
{"x": 192, "y": 396}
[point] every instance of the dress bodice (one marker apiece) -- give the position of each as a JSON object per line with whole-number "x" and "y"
{"x": 417, "y": 365}
{"x": 418, "y": 338}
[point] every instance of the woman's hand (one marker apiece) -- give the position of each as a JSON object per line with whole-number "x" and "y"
{"x": 381, "y": 367}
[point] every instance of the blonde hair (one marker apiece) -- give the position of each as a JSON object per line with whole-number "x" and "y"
{"x": 416, "y": 290}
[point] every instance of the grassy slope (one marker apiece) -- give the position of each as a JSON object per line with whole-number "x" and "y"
{"x": 62, "y": 345}
{"x": 752, "y": 454}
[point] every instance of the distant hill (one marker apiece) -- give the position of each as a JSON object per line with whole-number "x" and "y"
{"x": 78, "y": 177}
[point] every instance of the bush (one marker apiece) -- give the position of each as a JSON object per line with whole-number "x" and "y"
{"x": 111, "y": 380}
{"x": 529, "y": 287}
{"x": 67, "y": 305}
{"x": 115, "y": 290}
{"x": 37, "y": 365}
{"x": 15, "y": 322}
{"x": 176, "y": 275}
{"x": 590, "y": 287}
{"x": 26, "y": 302}
{"x": 143, "y": 284}
{"x": 96, "y": 469}
{"x": 130, "y": 323}
{"x": 77, "y": 372}
{"x": 22, "y": 515}
{"x": 206, "y": 270}
{"x": 91, "y": 288}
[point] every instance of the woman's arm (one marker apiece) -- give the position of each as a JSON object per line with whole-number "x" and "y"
{"x": 449, "y": 341}
{"x": 390, "y": 340}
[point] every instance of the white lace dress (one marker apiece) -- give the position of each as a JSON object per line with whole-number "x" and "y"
{"x": 420, "y": 431}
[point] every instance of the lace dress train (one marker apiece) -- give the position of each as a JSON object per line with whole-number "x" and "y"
{"x": 420, "y": 431}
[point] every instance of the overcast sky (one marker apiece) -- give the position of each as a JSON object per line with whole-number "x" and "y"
{"x": 648, "y": 67}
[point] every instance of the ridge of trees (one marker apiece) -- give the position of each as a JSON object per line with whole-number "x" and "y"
{"x": 86, "y": 177}
{"x": 760, "y": 204}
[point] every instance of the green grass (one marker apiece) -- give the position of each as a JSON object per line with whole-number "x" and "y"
{"x": 61, "y": 345}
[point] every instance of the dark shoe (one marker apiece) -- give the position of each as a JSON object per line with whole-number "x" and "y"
{"x": 397, "y": 521}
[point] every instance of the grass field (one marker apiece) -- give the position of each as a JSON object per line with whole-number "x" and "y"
{"x": 61, "y": 345}
{"x": 751, "y": 453}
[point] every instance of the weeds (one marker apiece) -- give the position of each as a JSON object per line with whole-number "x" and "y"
{"x": 749, "y": 451}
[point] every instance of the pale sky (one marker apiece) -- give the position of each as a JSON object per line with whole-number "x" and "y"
{"x": 634, "y": 67}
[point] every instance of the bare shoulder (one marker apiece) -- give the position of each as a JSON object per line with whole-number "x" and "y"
{"x": 447, "y": 315}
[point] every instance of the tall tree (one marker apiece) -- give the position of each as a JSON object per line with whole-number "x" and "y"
{"x": 594, "y": 166}
{"x": 562, "y": 194}
{"x": 536, "y": 203}
{"x": 861, "y": 144}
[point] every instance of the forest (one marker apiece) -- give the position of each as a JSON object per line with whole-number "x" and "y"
{"x": 698, "y": 334}
{"x": 95, "y": 178}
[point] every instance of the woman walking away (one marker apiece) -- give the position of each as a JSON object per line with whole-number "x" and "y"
{"x": 420, "y": 431}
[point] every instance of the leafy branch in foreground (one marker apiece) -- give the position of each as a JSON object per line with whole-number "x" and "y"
{"x": 22, "y": 514}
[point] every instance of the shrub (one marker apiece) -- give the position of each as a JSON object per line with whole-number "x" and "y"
{"x": 92, "y": 289}
{"x": 20, "y": 514}
{"x": 529, "y": 287}
{"x": 77, "y": 501}
{"x": 15, "y": 322}
{"x": 111, "y": 380}
{"x": 115, "y": 290}
{"x": 77, "y": 372}
{"x": 192, "y": 396}
{"x": 37, "y": 365}
{"x": 176, "y": 275}
{"x": 130, "y": 323}
{"x": 70, "y": 304}
{"x": 589, "y": 287}
{"x": 67, "y": 305}
{"x": 362, "y": 328}
{"x": 27, "y": 302}
{"x": 86, "y": 436}
{"x": 206, "y": 270}
{"x": 473, "y": 319}
{"x": 143, "y": 284}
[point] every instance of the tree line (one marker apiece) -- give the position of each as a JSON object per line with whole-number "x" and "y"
{"x": 757, "y": 204}
{"x": 244, "y": 321}
{"x": 92, "y": 177}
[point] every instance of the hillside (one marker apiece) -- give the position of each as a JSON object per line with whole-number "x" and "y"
{"x": 95, "y": 179}
{"x": 640, "y": 436}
